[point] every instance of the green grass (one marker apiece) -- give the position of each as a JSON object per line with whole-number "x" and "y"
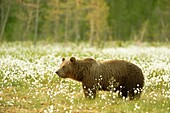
{"x": 28, "y": 82}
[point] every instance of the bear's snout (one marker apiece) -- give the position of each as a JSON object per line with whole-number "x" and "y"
{"x": 56, "y": 72}
{"x": 59, "y": 73}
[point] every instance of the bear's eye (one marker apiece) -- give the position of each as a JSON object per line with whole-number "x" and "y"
{"x": 64, "y": 67}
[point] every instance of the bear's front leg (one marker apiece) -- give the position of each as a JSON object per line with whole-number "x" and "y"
{"x": 89, "y": 92}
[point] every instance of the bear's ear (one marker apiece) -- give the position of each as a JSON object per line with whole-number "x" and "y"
{"x": 73, "y": 59}
{"x": 63, "y": 59}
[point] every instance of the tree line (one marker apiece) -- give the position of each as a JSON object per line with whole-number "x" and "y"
{"x": 85, "y": 20}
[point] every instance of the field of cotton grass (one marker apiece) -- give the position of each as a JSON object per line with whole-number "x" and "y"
{"x": 28, "y": 83}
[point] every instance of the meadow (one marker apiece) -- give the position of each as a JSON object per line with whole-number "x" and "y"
{"x": 28, "y": 83}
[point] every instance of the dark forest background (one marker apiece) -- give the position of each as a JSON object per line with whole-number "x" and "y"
{"x": 85, "y": 20}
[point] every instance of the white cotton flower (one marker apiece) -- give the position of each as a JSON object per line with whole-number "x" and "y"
{"x": 136, "y": 106}
{"x": 166, "y": 78}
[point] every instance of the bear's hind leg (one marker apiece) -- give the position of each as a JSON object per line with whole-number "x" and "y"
{"x": 131, "y": 95}
{"x": 123, "y": 93}
{"x": 134, "y": 94}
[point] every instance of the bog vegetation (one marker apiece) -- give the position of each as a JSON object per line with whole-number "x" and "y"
{"x": 28, "y": 82}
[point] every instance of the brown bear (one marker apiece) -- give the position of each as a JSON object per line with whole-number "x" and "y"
{"x": 110, "y": 75}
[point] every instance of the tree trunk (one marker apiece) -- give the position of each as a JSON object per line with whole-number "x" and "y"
{"x": 91, "y": 33}
{"x": 66, "y": 26}
{"x": 4, "y": 22}
{"x": 27, "y": 24}
{"x": 36, "y": 24}
{"x": 77, "y": 20}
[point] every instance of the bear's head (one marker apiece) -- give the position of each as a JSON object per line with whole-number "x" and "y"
{"x": 66, "y": 69}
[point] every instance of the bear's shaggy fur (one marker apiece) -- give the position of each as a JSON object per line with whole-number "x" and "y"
{"x": 111, "y": 75}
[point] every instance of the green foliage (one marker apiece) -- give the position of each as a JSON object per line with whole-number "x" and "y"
{"x": 95, "y": 21}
